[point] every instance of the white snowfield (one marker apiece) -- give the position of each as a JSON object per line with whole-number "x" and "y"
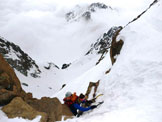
{"x": 133, "y": 88}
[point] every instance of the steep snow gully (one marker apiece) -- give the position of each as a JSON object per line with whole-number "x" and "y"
{"x": 132, "y": 89}
{"x": 128, "y": 62}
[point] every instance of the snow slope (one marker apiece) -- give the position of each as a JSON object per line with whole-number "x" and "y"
{"x": 132, "y": 89}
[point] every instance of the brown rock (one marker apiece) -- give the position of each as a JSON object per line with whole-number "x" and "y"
{"x": 107, "y": 71}
{"x": 19, "y": 108}
{"x": 6, "y": 96}
{"x": 5, "y": 67}
{"x": 51, "y": 106}
{"x": 89, "y": 90}
{"x": 9, "y": 83}
{"x": 101, "y": 58}
{"x": 66, "y": 112}
{"x": 23, "y": 104}
{"x": 115, "y": 46}
{"x": 5, "y": 81}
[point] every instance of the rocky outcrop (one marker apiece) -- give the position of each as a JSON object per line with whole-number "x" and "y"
{"x": 66, "y": 112}
{"x": 94, "y": 6}
{"x": 136, "y": 18}
{"x": 18, "y": 59}
{"x": 89, "y": 89}
{"x": 50, "y": 66}
{"x": 104, "y": 42}
{"x": 51, "y": 106}
{"x": 108, "y": 40}
{"x": 50, "y": 109}
{"x": 115, "y": 47}
{"x": 19, "y": 108}
{"x": 64, "y": 66}
{"x": 17, "y": 103}
{"x": 5, "y": 82}
{"x": 85, "y": 13}
{"x": 9, "y": 83}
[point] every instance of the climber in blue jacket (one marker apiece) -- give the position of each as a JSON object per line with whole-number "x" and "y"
{"x": 74, "y": 102}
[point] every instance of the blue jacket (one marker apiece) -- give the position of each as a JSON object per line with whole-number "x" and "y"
{"x": 74, "y": 107}
{"x": 77, "y": 106}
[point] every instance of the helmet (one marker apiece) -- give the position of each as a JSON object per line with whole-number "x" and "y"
{"x": 68, "y": 94}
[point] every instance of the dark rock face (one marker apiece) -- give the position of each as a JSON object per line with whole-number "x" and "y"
{"x": 115, "y": 49}
{"x": 64, "y": 66}
{"x": 87, "y": 15}
{"x": 18, "y": 59}
{"x": 51, "y": 65}
{"x": 78, "y": 13}
{"x": 116, "y": 46}
{"x": 94, "y": 6}
{"x": 136, "y": 18}
{"x": 104, "y": 42}
{"x": 70, "y": 15}
{"x": 25, "y": 84}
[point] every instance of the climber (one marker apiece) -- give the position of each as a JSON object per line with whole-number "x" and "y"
{"x": 73, "y": 102}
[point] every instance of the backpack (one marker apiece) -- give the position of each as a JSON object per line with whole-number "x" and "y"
{"x": 70, "y": 100}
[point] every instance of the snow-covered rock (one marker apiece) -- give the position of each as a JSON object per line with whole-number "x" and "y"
{"x": 85, "y": 12}
{"x": 18, "y": 59}
{"x": 104, "y": 42}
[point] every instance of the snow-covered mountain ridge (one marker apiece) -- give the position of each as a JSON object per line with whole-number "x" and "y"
{"x": 104, "y": 42}
{"x": 132, "y": 88}
{"x": 18, "y": 59}
{"x": 81, "y": 12}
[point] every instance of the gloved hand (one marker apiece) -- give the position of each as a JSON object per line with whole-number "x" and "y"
{"x": 93, "y": 106}
{"x": 89, "y": 101}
